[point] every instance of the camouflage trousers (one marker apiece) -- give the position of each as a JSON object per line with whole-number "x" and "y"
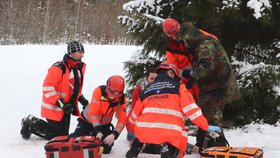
{"x": 212, "y": 109}
{"x": 213, "y": 115}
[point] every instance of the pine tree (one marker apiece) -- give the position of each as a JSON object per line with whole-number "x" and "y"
{"x": 249, "y": 37}
{"x": 137, "y": 66}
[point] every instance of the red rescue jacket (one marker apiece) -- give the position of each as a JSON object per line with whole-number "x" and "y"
{"x": 57, "y": 85}
{"x": 135, "y": 96}
{"x": 177, "y": 54}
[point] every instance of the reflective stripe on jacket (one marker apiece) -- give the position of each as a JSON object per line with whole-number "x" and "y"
{"x": 56, "y": 85}
{"x": 101, "y": 110}
{"x": 159, "y": 114}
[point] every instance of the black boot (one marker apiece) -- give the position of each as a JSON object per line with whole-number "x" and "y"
{"x": 169, "y": 151}
{"x": 190, "y": 148}
{"x": 25, "y": 127}
{"x": 41, "y": 128}
{"x": 135, "y": 149}
{"x": 33, "y": 125}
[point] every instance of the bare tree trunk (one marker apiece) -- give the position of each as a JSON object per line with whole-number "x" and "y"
{"x": 63, "y": 10}
{"x": 81, "y": 16}
{"x": 46, "y": 21}
{"x": 11, "y": 20}
{"x": 52, "y": 21}
{"x": 77, "y": 17}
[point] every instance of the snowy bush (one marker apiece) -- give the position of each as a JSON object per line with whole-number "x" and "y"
{"x": 259, "y": 80}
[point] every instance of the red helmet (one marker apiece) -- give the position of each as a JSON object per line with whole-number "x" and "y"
{"x": 167, "y": 65}
{"x": 115, "y": 87}
{"x": 171, "y": 27}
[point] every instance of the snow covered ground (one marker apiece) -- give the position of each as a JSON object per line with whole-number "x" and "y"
{"x": 23, "y": 69}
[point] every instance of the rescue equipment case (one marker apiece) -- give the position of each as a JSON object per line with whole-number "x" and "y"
{"x": 232, "y": 152}
{"x": 79, "y": 147}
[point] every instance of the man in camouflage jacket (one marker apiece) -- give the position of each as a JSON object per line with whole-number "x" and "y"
{"x": 211, "y": 68}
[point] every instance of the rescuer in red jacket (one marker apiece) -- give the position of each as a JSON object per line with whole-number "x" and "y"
{"x": 62, "y": 89}
{"x": 160, "y": 113}
{"x": 178, "y": 54}
{"x": 150, "y": 76}
{"x": 96, "y": 118}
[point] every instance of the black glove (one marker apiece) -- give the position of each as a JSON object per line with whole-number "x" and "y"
{"x": 186, "y": 73}
{"x": 116, "y": 134}
{"x": 95, "y": 130}
{"x": 83, "y": 101}
{"x": 66, "y": 107}
{"x": 190, "y": 83}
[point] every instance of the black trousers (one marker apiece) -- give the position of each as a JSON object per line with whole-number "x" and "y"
{"x": 51, "y": 128}
{"x": 85, "y": 128}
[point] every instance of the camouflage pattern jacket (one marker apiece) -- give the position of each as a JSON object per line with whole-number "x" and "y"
{"x": 211, "y": 67}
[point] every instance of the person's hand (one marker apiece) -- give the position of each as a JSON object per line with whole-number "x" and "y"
{"x": 186, "y": 73}
{"x": 99, "y": 135}
{"x": 190, "y": 83}
{"x": 83, "y": 101}
{"x": 214, "y": 129}
{"x": 109, "y": 140}
{"x": 66, "y": 107}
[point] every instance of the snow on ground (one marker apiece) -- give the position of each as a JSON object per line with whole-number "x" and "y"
{"x": 23, "y": 69}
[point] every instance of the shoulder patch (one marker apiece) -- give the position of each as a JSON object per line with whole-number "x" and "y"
{"x": 103, "y": 98}
{"x": 60, "y": 65}
{"x": 103, "y": 92}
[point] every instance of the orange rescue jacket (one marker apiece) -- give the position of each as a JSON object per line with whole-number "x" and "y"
{"x": 101, "y": 110}
{"x": 160, "y": 113}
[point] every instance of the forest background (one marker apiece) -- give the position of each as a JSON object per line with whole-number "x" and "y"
{"x": 58, "y": 21}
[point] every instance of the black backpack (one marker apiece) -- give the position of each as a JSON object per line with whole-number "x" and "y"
{"x": 206, "y": 140}
{"x": 214, "y": 139}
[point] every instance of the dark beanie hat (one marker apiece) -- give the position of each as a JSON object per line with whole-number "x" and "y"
{"x": 74, "y": 46}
